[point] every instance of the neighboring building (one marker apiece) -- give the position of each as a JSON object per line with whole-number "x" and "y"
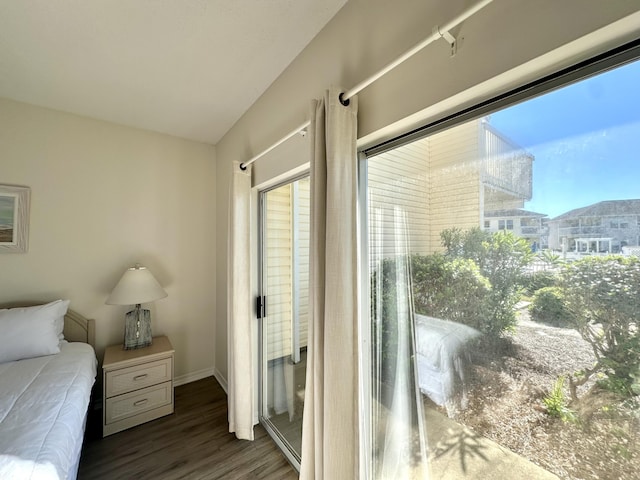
{"x": 446, "y": 180}
{"x": 523, "y": 223}
{"x": 604, "y": 227}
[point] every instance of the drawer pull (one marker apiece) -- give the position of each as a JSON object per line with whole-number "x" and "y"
{"x": 140, "y": 402}
{"x": 140, "y": 377}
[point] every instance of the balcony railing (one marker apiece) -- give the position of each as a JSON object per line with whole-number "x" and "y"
{"x": 507, "y": 167}
{"x": 582, "y": 231}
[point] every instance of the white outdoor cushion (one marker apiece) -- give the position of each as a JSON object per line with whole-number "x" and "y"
{"x": 28, "y": 332}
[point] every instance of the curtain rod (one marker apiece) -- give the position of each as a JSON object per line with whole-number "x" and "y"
{"x": 243, "y": 166}
{"x": 438, "y": 33}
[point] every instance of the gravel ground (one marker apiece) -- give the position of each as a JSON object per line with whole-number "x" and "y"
{"x": 505, "y": 405}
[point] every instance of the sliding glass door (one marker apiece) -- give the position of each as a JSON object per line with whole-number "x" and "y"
{"x": 284, "y": 308}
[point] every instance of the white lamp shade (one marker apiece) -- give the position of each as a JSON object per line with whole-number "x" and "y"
{"x": 137, "y": 285}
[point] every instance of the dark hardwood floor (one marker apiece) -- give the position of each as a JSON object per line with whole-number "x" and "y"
{"x": 192, "y": 443}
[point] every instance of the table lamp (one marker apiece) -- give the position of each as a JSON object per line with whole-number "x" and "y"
{"x": 137, "y": 286}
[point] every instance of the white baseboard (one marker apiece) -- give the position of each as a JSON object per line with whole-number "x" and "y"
{"x": 193, "y": 376}
{"x": 221, "y": 380}
{"x": 223, "y": 383}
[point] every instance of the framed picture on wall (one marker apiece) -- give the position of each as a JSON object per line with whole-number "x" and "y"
{"x": 14, "y": 218}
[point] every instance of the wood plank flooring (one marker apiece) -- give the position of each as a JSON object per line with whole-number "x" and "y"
{"x": 192, "y": 443}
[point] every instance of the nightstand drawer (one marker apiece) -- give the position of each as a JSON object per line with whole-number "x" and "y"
{"x": 139, "y": 376}
{"x": 135, "y": 403}
{"x": 138, "y": 385}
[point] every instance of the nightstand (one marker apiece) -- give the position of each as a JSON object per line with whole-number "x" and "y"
{"x": 137, "y": 385}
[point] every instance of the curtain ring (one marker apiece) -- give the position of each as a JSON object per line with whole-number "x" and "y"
{"x": 343, "y": 102}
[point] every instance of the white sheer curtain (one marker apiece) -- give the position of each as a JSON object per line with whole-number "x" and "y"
{"x": 282, "y": 391}
{"x": 399, "y": 437}
{"x": 239, "y": 320}
{"x": 330, "y": 425}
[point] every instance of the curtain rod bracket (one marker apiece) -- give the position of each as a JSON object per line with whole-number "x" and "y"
{"x": 450, "y": 39}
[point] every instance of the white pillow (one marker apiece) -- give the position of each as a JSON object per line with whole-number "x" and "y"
{"x": 31, "y": 331}
{"x": 59, "y": 310}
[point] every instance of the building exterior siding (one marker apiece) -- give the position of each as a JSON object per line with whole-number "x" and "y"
{"x": 443, "y": 181}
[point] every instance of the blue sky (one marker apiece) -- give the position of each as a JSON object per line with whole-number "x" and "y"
{"x": 585, "y": 139}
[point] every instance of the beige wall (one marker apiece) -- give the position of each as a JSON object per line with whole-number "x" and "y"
{"x": 504, "y": 45}
{"x": 103, "y": 197}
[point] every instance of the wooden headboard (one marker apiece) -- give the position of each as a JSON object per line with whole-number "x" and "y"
{"x": 79, "y": 329}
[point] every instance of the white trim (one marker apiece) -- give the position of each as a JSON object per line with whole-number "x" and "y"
{"x": 285, "y": 178}
{"x": 221, "y": 380}
{"x": 193, "y": 376}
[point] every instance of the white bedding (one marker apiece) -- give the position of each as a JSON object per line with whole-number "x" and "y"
{"x": 43, "y": 406}
{"x": 442, "y": 357}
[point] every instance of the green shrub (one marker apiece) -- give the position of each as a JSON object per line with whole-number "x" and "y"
{"x": 601, "y": 294}
{"x": 389, "y": 306}
{"x": 452, "y": 289}
{"x": 501, "y": 258}
{"x": 540, "y": 279}
{"x": 548, "y": 306}
{"x": 477, "y": 282}
{"x": 443, "y": 288}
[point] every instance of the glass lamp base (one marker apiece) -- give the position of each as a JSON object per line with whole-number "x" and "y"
{"x": 137, "y": 329}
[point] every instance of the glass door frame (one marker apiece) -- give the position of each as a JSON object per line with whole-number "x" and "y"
{"x": 364, "y": 321}
{"x": 273, "y": 432}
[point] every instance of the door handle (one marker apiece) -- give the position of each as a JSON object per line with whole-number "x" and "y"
{"x": 261, "y": 306}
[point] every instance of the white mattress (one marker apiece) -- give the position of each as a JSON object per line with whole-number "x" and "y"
{"x": 43, "y": 406}
{"x": 442, "y": 357}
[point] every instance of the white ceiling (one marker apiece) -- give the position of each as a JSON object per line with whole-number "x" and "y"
{"x": 188, "y": 68}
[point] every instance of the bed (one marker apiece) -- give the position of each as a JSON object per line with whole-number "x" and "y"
{"x": 443, "y": 356}
{"x": 44, "y": 397}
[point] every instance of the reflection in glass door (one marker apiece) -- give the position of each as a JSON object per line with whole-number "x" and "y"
{"x": 285, "y": 289}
